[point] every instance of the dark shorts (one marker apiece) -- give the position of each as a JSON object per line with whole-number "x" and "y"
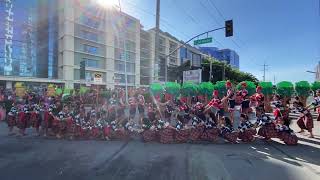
{"x": 232, "y": 103}
{"x": 220, "y": 112}
{"x": 141, "y": 109}
{"x": 132, "y": 111}
{"x": 245, "y": 104}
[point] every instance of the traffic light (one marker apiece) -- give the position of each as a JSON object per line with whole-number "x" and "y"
{"x": 229, "y": 28}
{"x": 83, "y": 70}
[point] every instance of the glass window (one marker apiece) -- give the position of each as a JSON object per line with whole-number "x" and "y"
{"x": 91, "y": 63}
{"x": 118, "y": 42}
{"x": 131, "y": 79}
{"x": 119, "y": 66}
{"x": 131, "y": 68}
{"x": 90, "y": 49}
{"x": 91, "y": 22}
{"x": 89, "y": 35}
{"x": 119, "y": 78}
{"x": 130, "y": 46}
{"x": 124, "y": 55}
{"x": 173, "y": 60}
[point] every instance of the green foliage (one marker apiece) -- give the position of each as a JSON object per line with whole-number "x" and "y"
{"x": 233, "y": 74}
{"x": 67, "y": 91}
{"x": 172, "y": 88}
{"x": 285, "y": 88}
{"x": 251, "y": 87}
{"x": 189, "y": 89}
{"x": 267, "y": 88}
{"x": 221, "y": 87}
{"x": 106, "y": 94}
{"x": 58, "y": 91}
{"x": 147, "y": 97}
{"x": 156, "y": 88}
{"x": 83, "y": 90}
{"x": 66, "y": 97}
{"x": 206, "y": 88}
{"x": 315, "y": 86}
{"x": 302, "y": 88}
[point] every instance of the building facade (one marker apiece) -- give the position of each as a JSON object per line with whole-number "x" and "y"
{"x": 228, "y": 55}
{"x": 106, "y": 39}
{"x": 45, "y": 41}
{"x": 28, "y": 41}
{"x": 192, "y": 54}
{"x": 167, "y": 44}
{"x": 145, "y": 58}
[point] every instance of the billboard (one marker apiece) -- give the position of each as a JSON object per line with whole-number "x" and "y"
{"x": 192, "y": 76}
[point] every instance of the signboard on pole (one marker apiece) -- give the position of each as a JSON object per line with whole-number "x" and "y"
{"x": 97, "y": 78}
{"x": 192, "y": 76}
{"x": 203, "y": 41}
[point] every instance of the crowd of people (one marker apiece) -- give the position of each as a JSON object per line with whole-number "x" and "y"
{"x": 167, "y": 120}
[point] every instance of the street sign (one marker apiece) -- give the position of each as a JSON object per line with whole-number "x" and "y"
{"x": 202, "y": 41}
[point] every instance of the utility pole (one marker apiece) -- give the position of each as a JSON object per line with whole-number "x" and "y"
{"x": 264, "y": 70}
{"x": 224, "y": 70}
{"x": 156, "y": 51}
{"x": 125, "y": 62}
{"x": 210, "y": 77}
{"x": 274, "y": 79}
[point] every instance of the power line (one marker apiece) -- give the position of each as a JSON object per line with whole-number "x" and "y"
{"x": 163, "y": 20}
{"x": 219, "y": 12}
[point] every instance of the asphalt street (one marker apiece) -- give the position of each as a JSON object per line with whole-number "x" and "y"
{"x": 50, "y": 159}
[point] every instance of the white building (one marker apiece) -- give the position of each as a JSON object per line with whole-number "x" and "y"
{"x": 108, "y": 40}
{"x": 167, "y": 44}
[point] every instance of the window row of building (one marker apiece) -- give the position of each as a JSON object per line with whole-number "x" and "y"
{"x": 47, "y": 40}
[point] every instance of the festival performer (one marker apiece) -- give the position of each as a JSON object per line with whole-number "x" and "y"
{"x": 114, "y": 108}
{"x": 227, "y": 130}
{"x": 316, "y": 104}
{"x": 183, "y": 111}
{"x": 267, "y": 127}
{"x": 61, "y": 122}
{"x": 141, "y": 106}
{"x": 121, "y": 106}
{"x": 217, "y": 104}
{"x": 245, "y": 101}
{"x": 305, "y": 121}
{"x": 259, "y": 101}
{"x": 49, "y": 115}
{"x": 231, "y": 100}
{"x": 280, "y": 112}
{"x": 79, "y": 120}
{"x": 132, "y": 107}
{"x": 36, "y": 118}
{"x": 11, "y": 119}
{"x": 245, "y": 128}
{"x": 286, "y": 134}
{"x": 24, "y": 118}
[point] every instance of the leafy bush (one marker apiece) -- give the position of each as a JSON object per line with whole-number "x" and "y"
{"x": 285, "y": 88}
{"x": 302, "y": 88}
{"x": 267, "y": 88}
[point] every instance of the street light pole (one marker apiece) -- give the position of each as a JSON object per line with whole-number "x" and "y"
{"x": 156, "y": 51}
{"x": 125, "y": 58}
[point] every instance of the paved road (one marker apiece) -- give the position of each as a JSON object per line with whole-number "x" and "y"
{"x": 38, "y": 158}
{"x": 47, "y": 159}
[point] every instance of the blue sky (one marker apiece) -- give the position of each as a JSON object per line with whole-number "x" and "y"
{"x": 283, "y": 33}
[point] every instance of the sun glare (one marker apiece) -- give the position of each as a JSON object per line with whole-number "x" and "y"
{"x": 107, "y": 3}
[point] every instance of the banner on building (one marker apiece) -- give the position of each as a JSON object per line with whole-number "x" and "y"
{"x": 20, "y": 89}
{"x": 192, "y": 76}
{"x": 97, "y": 78}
